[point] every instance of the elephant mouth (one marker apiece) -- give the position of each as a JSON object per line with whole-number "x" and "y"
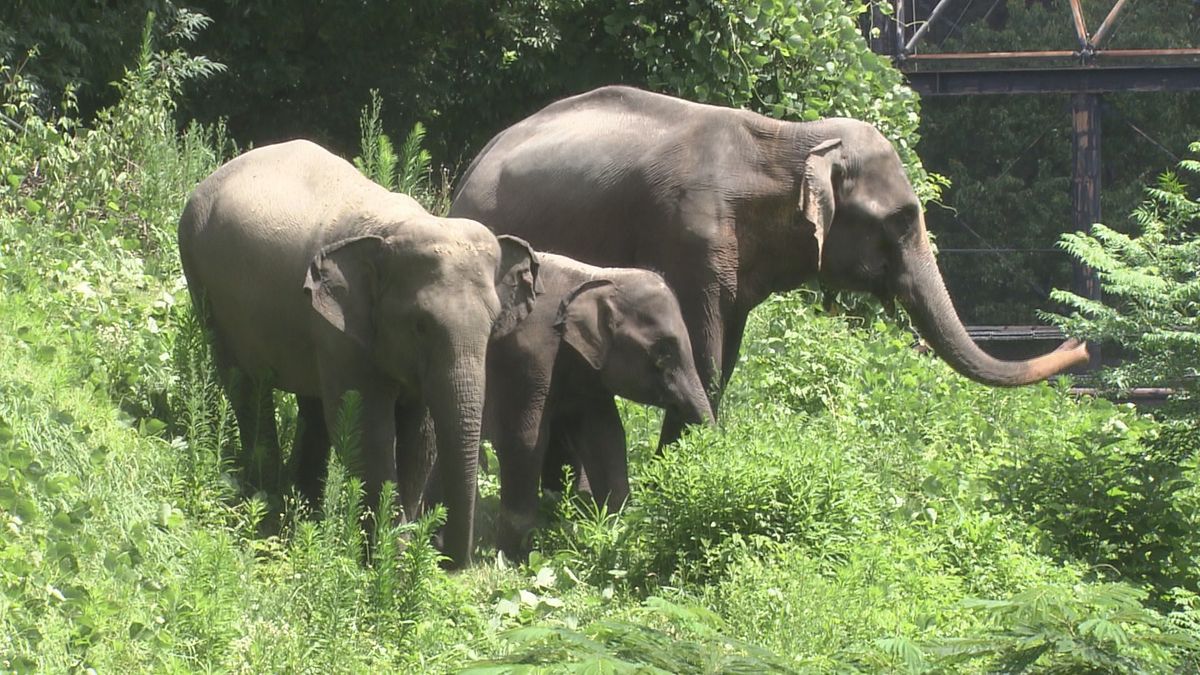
{"x": 888, "y": 300}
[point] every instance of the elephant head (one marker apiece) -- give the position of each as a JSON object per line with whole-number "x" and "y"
{"x": 870, "y": 235}
{"x": 423, "y": 300}
{"x": 631, "y": 331}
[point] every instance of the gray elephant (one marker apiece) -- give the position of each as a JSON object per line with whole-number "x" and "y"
{"x": 594, "y": 333}
{"x": 729, "y": 206}
{"x": 319, "y": 282}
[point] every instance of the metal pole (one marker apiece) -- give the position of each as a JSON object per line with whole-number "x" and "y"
{"x": 1085, "y": 189}
{"x": 899, "y": 28}
{"x": 1080, "y": 27}
{"x": 937, "y": 11}
{"x": 880, "y": 22}
{"x": 1102, "y": 31}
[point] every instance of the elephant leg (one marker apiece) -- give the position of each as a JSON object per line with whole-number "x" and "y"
{"x": 703, "y": 313}
{"x": 598, "y": 441}
{"x": 521, "y": 452}
{"x": 310, "y": 451}
{"x": 373, "y": 457}
{"x": 559, "y": 456}
{"x": 252, "y": 400}
{"x": 416, "y": 454}
{"x": 734, "y": 330}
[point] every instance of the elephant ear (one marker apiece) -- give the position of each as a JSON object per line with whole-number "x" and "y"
{"x": 517, "y": 283}
{"x": 341, "y": 283}
{"x": 586, "y": 320}
{"x": 816, "y": 192}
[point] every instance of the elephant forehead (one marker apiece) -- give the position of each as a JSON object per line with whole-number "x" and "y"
{"x": 466, "y": 249}
{"x": 466, "y": 257}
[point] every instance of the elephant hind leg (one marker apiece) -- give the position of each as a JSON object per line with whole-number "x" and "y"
{"x": 521, "y": 455}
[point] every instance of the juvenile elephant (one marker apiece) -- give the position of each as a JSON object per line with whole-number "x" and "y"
{"x": 319, "y": 282}
{"x": 594, "y": 333}
{"x": 729, "y": 206}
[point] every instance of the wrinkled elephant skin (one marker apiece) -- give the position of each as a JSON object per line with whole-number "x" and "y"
{"x": 729, "y": 206}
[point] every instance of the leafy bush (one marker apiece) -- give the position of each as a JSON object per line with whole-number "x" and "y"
{"x": 698, "y": 510}
{"x": 665, "y": 637}
{"x": 1151, "y": 284}
{"x": 793, "y": 602}
{"x": 1101, "y": 628}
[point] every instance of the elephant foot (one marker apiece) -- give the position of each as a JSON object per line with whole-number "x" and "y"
{"x": 514, "y": 534}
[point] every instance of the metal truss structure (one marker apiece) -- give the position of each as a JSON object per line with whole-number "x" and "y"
{"x": 1085, "y": 73}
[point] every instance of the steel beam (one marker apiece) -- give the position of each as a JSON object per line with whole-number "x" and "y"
{"x": 1091, "y": 80}
{"x": 1106, "y": 25}
{"x": 933, "y": 15}
{"x": 1085, "y": 191}
{"x": 1080, "y": 26}
{"x": 1132, "y": 57}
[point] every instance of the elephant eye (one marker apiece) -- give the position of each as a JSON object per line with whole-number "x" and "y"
{"x": 662, "y": 355}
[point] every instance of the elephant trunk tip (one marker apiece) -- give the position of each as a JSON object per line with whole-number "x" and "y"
{"x": 1071, "y": 353}
{"x": 1076, "y": 351}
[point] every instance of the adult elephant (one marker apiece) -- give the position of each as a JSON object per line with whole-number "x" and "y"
{"x": 317, "y": 281}
{"x": 729, "y": 206}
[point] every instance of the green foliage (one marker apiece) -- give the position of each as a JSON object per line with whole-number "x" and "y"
{"x": 406, "y": 172}
{"x": 664, "y": 638}
{"x": 1108, "y": 490}
{"x": 794, "y": 602}
{"x": 85, "y": 47}
{"x": 1056, "y": 629}
{"x": 701, "y": 510}
{"x": 1151, "y": 304}
{"x": 468, "y": 68}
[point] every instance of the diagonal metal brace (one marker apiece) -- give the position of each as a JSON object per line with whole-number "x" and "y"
{"x": 1080, "y": 26}
{"x": 1106, "y": 25}
{"x": 933, "y": 16}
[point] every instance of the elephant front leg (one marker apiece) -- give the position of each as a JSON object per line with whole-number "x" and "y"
{"x": 310, "y": 451}
{"x": 253, "y": 403}
{"x": 372, "y": 455}
{"x": 598, "y": 441}
{"x": 520, "y": 460}
{"x": 416, "y": 454}
{"x": 703, "y": 313}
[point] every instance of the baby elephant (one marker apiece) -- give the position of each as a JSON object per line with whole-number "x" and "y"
{"x": 594, "y": 333}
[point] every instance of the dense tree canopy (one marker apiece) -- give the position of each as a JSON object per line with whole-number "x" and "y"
{"x": 468, "y": 68}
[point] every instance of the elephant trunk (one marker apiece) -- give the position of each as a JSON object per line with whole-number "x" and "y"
{"x": 921, "y": 290}
{"x": 695, "y": 406}
{"x": 456, "y": 405}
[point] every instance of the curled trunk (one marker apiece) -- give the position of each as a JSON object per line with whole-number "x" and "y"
{"x": 923, "y": 293}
